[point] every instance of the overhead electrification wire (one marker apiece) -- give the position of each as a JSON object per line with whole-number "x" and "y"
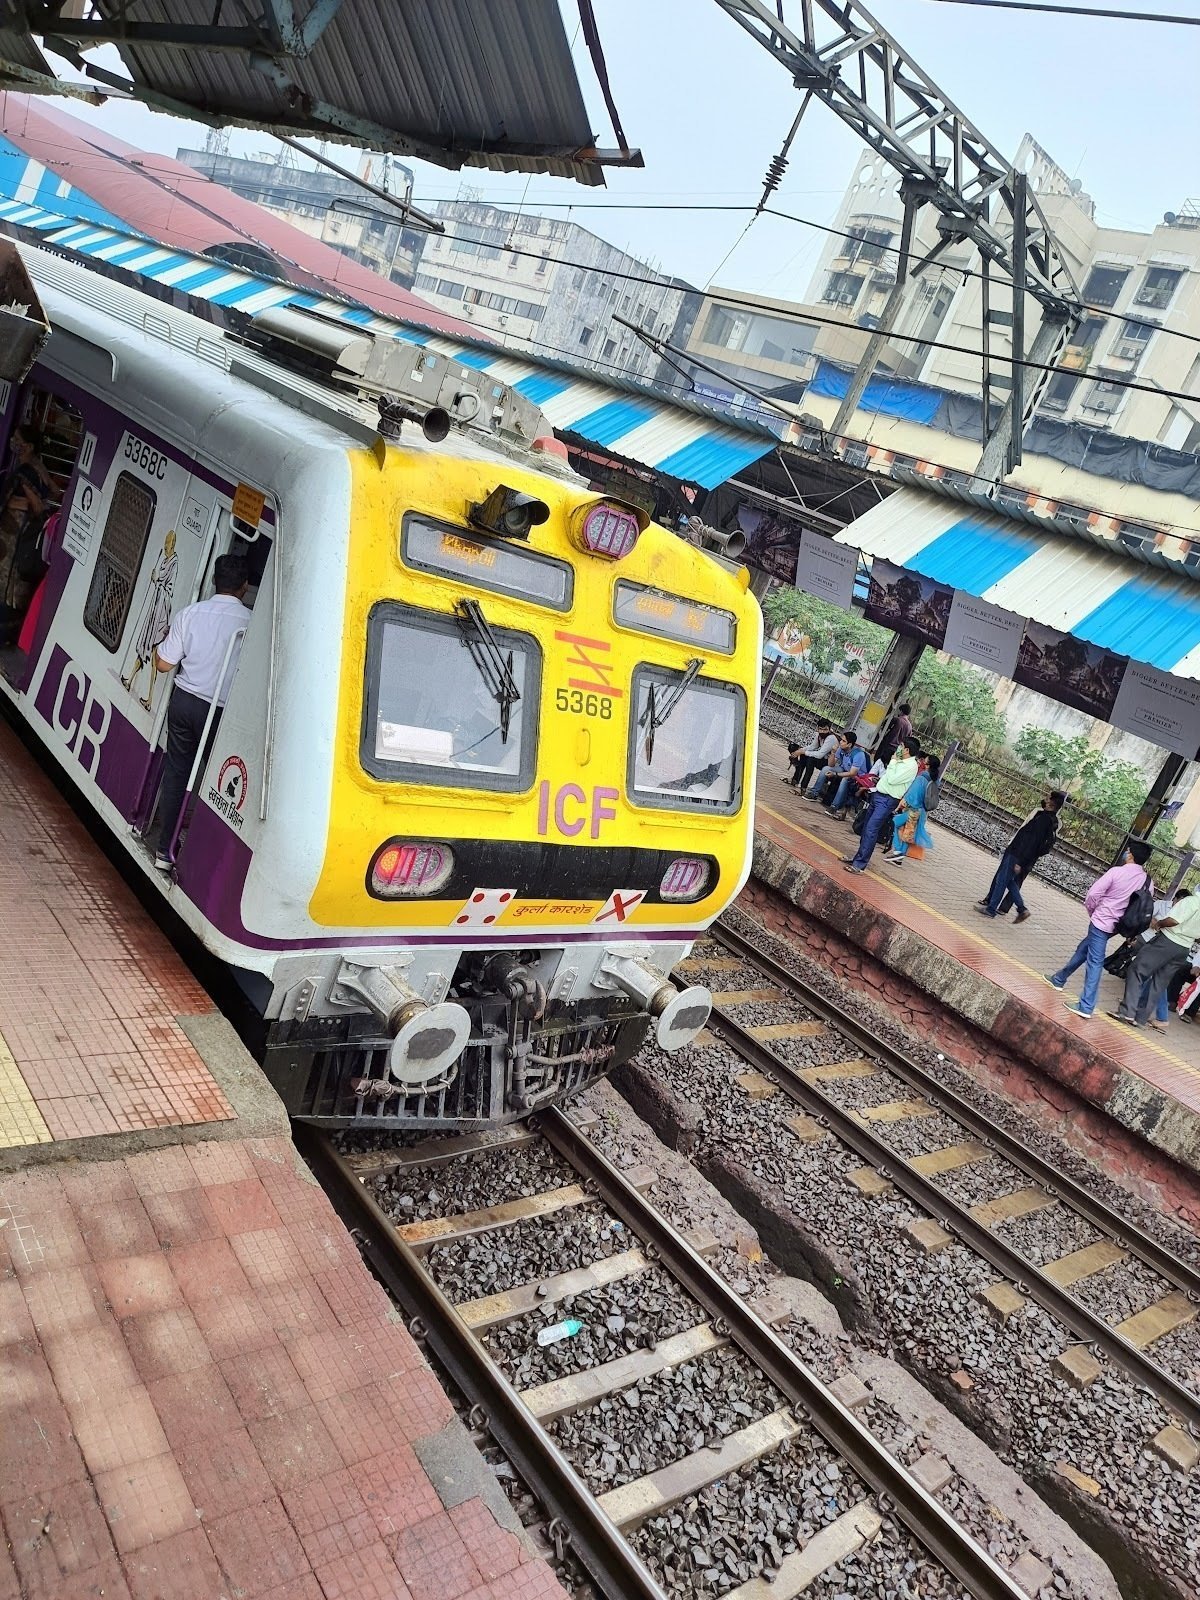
{"x": 1078, "y": 11}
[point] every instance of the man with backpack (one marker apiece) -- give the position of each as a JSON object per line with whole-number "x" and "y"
{"x": 1121, "y": 901}
{"x": 1162, "y": 958}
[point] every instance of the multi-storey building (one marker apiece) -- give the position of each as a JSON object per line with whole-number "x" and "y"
{"x": 550, "y": 284}
{"x": 336, "y": 210}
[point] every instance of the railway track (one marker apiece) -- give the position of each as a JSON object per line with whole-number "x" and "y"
{"x": 895, "y": 1094}
{"x": 771, "y": 1416}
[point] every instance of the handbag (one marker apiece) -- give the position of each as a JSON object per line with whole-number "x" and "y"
{"x": 907, "y": 831}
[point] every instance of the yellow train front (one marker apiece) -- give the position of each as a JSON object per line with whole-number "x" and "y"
{"x": 542, "y": 789}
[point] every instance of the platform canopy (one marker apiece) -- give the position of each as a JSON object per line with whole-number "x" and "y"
{"x": 1116, "y": 602}
{"x": 488, "y": 83}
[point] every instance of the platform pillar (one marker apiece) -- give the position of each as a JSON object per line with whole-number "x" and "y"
{"x": 1169, "y": 777}
{"x": 886, "y": 689}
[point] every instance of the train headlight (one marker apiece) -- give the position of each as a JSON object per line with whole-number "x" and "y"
{"x": 406, "y": 869}
{"x": 607, "y": 529}
{"x": 685, "y": 879}
{"x": 508, "y": 512}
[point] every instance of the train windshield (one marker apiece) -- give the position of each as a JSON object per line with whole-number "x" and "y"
{"x": 441, "y": 709}
{"x": 686, "y": 735}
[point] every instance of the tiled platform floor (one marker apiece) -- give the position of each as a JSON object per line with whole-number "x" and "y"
{"x": 90, "y": 991}
{"x": 204, "y": 1396}
{"x": 935, "y": 898}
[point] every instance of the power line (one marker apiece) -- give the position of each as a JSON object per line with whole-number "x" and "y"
{"x": 1079, "y": 11}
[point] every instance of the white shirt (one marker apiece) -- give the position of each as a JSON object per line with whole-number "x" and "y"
{"x": 196, "y": 643}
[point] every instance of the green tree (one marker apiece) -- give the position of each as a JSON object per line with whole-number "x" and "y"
{"x": 834, "y": 636}
{"x": 1061, "y": 762}
{"x": 952, "y": 700}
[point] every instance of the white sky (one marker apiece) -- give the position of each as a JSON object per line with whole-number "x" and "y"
{"x": 1114, "y": 103}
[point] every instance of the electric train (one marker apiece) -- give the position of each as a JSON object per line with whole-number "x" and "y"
{"x": 486, "y": 767}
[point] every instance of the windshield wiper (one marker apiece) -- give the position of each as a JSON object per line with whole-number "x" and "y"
{"x": 655, "y": 715}
{"x": 495, "y": 668}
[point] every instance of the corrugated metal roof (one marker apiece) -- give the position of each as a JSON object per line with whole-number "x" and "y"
{"x": 686, "y": 441}
{"x": 1148, "y": 614}
{"x": 462, "y": 82}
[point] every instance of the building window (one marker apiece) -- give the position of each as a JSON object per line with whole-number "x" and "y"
{"x": 1083, "y": 341}
{"x": 542, "y": 265}
{"x": 609, "y": 346}
{"x": 1158, "y": 286}
{"x": 1058, "y": 393}
{"x": 585, "y": 338}
{"x": 1135, "y": 336}
{"x": 1104, "y": 285}
{"x": 1104, "y": 399}
{"x": 451, "y": 290}
{"x": 122, "y": 546}
{"x": 843, "y": 289}
{"x": 866, "y": 244}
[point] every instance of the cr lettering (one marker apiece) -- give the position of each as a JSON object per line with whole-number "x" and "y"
{"x": 82, "y": 717}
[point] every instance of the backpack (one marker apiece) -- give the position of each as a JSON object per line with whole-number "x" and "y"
{"x": 933, "y": 793}
{"x": 1137, "y": 915}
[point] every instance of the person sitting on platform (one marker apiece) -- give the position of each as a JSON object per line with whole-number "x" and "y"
{"x": 885, "y": 797}
{"x": 1159, "y": 961}
{"x": 806, "y": 759}
{"x": 1034, "y": 839}
{"x": 1105, "y": 902}
{"x": 847, "y": 759}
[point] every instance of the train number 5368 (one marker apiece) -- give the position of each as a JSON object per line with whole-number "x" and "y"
{"x": 587, "y": 705}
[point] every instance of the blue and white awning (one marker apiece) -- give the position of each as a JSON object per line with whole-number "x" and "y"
{"x": 1146, "y": 613}
{"x": 685, "y": 440}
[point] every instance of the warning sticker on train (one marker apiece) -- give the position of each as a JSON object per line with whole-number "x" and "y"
{"x": 619, "y": 904}
{"x": 484, "y": 906}
{"x": 228, "y": 794}
{"x": 81, "y": 520}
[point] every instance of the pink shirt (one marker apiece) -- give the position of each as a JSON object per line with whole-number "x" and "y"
{"x": 1107, "y": 898}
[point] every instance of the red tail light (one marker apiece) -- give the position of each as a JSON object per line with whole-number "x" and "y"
{"x": 685, "y": 879}
{"x": 609, "y": 530}
{"x": 401, "y": 870}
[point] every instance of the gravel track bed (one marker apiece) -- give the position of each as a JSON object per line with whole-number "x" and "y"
{"x": 1121, "y": 1291}
{"x": 746, "y": 976}
{"x": 1048, "y": 1235}
{"x": 662, "y": 1419}
{"x": 818, "y": 1051}
{"x": 1175, "y": 1236}
{"x": 858, "y": 1094}
{"x": 1179, "y": 1353}
{"x": 758, "y": 1013}
{"x": 929, "y": 1318}
{"x": 745, "y": 1525}
{"x": 981, "y": 1180}
{"x": 916, "y": 1136}
{"x": 413, "y": 1194}
{"x": 492, "y": 1262}
{"x": 618, "y": 1319}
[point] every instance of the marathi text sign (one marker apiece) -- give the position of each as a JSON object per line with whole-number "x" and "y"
{"x": 826, "y": 570}
{"x": 1069, "y": 669}
{"x": 1160, "y": 708}
{"x": 908, "y": 603}
{"x": 983, "y": 634}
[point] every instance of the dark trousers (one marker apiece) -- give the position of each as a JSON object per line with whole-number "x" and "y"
{"x": 1006, "y": 886}
{"x": 803, "y": 768}
{"x": 1157, "y": 963}
{"x": 185, "y": 729}
{"x": 882, "y": 808}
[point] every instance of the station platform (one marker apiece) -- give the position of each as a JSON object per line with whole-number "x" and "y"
{"x": 203, "y": 1392}
{"x": 919, "y": 920}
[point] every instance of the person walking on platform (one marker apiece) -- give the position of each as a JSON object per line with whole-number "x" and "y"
{"x": 885, "y": 797}
{"x": 1159, "y": 961}
{"x": 805, "y": 760}
{"x": 912, "y": 837}
{"x": 899, "y": 731}
{"x": 1034, "y": 839}
{"x": 1106, "y": 903}
{"x": 196, "y": 643}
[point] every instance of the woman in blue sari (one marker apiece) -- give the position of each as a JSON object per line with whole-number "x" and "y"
{"x": 912, "y": 818}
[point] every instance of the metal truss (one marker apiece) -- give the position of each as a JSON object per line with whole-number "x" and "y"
{"x": 277, "y": 29}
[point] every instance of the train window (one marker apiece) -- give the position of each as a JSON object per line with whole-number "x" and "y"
{"x": 448, "y": 552}
{"x": 440, "y": 704}
{"x": 655, "y": 611}
{"x": 685, "y": 750}
{"x": 122, "y": 547}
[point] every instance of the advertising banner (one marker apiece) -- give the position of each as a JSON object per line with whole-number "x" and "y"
{"x": 826, "y": 570}
{"x": 908, "y": 603}
{"x": 1160, "y": 708}
{"x": 1069, "y": 669}
{"x": 772, "y": 541}
{"x": 983, "y": 634}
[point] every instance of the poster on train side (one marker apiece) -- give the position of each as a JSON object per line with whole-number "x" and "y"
{"x": 1065, "y": 668}
{"x": 826, "y": 570}
{"x": 983, "y": 634}
{"x": 1158, "y": 707}
{"x": 909, "y": 603}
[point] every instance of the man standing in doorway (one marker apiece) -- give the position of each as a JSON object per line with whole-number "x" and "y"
{"x": 1032, "y": 840}
{"x": 1159, "y": 960}
{"x": 1105, "y": 903}
{"x": 885, "y": 797}
{"x": 199, "y": 637}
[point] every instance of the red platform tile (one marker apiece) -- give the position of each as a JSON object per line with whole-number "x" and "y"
{"x": 162, "y": 1172}
{"x": 89, "y": 1363}
{"x": 37, "y": 1448}
{"x": 163, "y": 1343}
{"x": 527, "y": 1582}
{"x": 65, "y": 1298}
{"x": 306, "y": 1588}
{"x": 243, "y": 1206}
{"x": 55, "y": 1534}
{"x": 118, "y": 1229}
{"x": 138, "y": 1284}
{"x": 269, "y": 1257}
{"x": 15, "y": 1321}
{"x": 182, "y": 1216}
{"x": 193, "y": 1406}
{"x": 324, "y": 1503}
{"x": 146, "y": 1502}
{"x": 104, "y": 1582}
{"x": 179, "y": 1568}
{"x": 216, "y": 1162}
{"x": 368, "y": 1574}
{"x": 494, "y": 1549}
{"x": 118, "y": 1431}
{"x": 258, "y": 1549}
{"x": 234, "y": 1324}
{"x": 264, "y": 1383}
{"x": 295, "y": 1309}
{"x": 95, "y": 1183}
{"x": 208, "y": 1269}
{"x": 433, "y": 1560}
{"x": 46, "y": 1236}
{"x": 223, "y": 1473}
{"x": 396, "y": 1490}
{"x": 295, "y": 1448}
{"x": 354, "y": 1296}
